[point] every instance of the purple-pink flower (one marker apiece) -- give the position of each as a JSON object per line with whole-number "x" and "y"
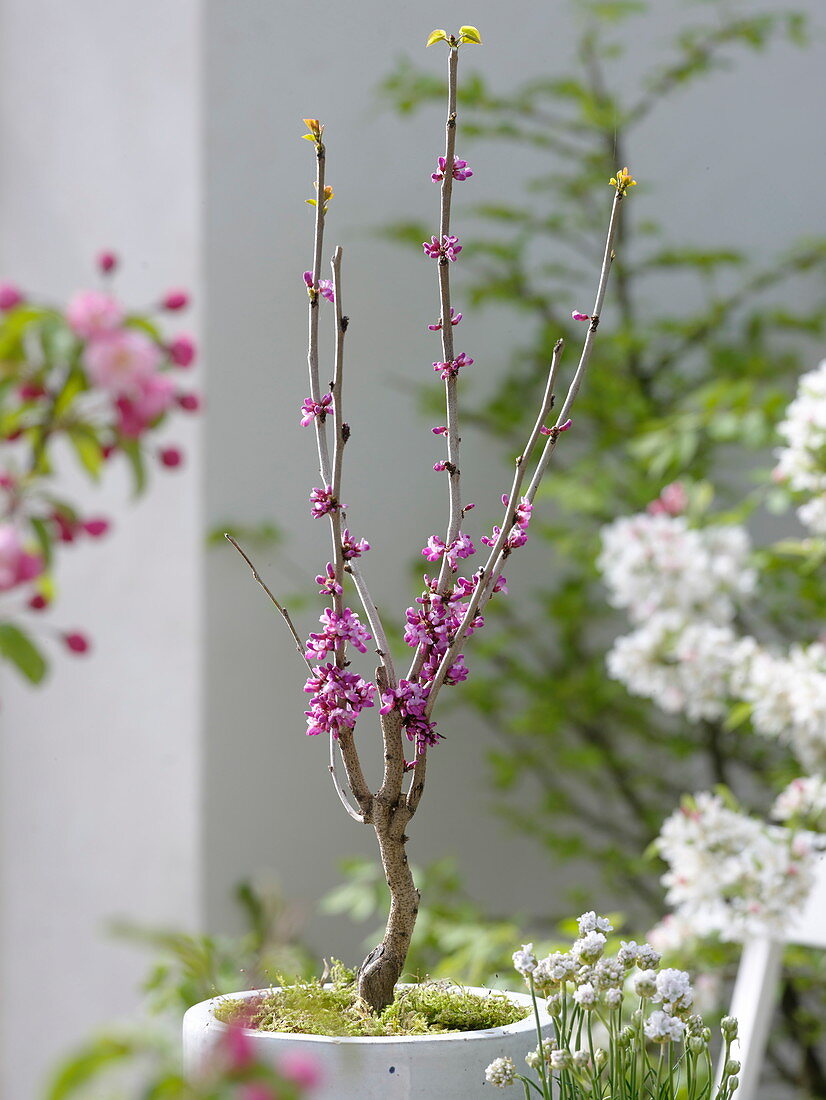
{"x": 325, "y": 286}
{"x": 328, "y": 582}
{"x": 338, "y": 699}
{"x": 322, "y": 502}
{"x": 455, "y": 318}
{"x": 10, "y": 296}
{"x": 448, "y": 247}
{"x": 16, "y": 565}
{"x": 461, "y": 171}
{"x": 337, "y": 628}
{"x": 351, "y": 547}
{"x": 579, "y": 316}
{"x": 451, "y": 369}
{"x": 311, "y": 409}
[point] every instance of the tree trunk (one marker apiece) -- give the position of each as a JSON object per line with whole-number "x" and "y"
{"x": 382, "y": 968}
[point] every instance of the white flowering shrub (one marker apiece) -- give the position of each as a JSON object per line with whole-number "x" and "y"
{"x": 688, "y": 587}
{"x": 624, "y": 1027}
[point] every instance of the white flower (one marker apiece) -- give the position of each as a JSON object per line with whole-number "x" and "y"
{"x": 613, "y": 997}
{"x": 663, "y": 1028}
{"x": 590, "y": 922}
{"x": 627, "y": 954}
{"x": 560, "y": 966}
{"x": 801, "y": 461}
{"x": 647, "y": 957}
{"x": 681, "y": 666}
{"x": 589, "y": 947}
{"x": 585, "y": 995}
{"x": 674, "y": 989}
{"x": 501, "y": 1072}
{"x": 645, "y": 983}
{"x": 560, "y": 1059}
{"x": 581, "y": 1059}
{"x": 548, "y": 1046}
{"x": 524, "y": 960}
{"x": 731, "y": 874}
{"x": 803, "y": 800}
{"x": 654, "y": 563}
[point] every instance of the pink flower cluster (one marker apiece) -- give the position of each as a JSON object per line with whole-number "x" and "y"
{"x": 322, "y": 502}
{"x": 125, "y": 362}
{"x": 461, "y": 172}
{"x": 338, "y": 699}
{"x": 672, "y": 501}
{"x": 337, "y": 628}
{"x": 410, "y": 699}
{"x": 461, "y": 547}
{"x": 518, "y": 533}
{"x": 352, "y": 547}
{"x": 451, "y": 369}
{"x": 448, "y": 247}
{"x": 17, "y": 565}
{"x": 311, "y": 409}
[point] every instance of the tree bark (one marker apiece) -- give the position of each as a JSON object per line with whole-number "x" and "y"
{"x": 383, "y": 966}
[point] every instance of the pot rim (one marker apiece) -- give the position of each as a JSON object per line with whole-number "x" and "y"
{"x": 203, "y": 1014}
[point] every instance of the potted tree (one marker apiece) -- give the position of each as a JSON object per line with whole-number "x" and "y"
{"x": 437, "y": 626}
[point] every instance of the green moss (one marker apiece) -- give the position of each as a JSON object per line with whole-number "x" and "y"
{"x": 335, "y": 1009}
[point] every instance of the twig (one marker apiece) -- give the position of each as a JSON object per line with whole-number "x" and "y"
{"x": 486, "y": 574}
{"x": 351, "y": 810}
{"x": 284, "y": 612}
{"x": 312, "y": 342}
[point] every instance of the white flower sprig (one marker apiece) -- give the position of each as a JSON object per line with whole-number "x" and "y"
{"x": 655, "y": 1050}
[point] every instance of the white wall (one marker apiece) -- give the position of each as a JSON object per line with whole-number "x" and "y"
{"x": 99, "y": 770}
{"x": 173, "y": 763}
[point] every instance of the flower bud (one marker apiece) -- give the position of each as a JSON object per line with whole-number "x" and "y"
{"x": 696, "y": 1045}
{"x": 732, "y": 1067}
{"x": 728, "y": 1026}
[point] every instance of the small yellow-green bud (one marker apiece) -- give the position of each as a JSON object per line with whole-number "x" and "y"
{"x": 696, "y": 1045}
{"x": 622, "y": 181}
{"x": 728, "y": 1026}
{"x": 732, "y": 1067}
{"x": 733, "y": 1084}
{"x": 626, "y": 1037}
{"x": 600, "y": 1057}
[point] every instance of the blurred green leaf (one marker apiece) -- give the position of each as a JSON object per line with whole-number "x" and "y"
{"x": 18, "y": 648}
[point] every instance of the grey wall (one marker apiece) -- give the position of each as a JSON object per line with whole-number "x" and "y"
{"x": 150, "y": 779}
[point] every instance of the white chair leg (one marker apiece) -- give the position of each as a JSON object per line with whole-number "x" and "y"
{"x": 753, "y": 1003}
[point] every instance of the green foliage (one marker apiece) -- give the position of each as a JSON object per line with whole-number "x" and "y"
{"x": 18, "y": 648}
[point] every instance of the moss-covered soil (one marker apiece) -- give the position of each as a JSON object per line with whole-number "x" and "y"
{"x": 335, "y": 1009}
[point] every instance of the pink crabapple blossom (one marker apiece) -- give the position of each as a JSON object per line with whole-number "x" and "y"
{"x": 182, "y": 350}
{"x": 91, "y": 313}
{"x": 11, "y": 296}
{"x": 175, "y": 300}
{"x": 120, "y": 361}
{"x": 76, "y": 642}
{"x": 171, "y": 457}
{"x": 300, "y": 1068}
{"x": 17, "y": 565}
{"x": 107, "y": 262}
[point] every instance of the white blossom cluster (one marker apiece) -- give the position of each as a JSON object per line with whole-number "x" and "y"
{"x": 730, "y": 874}
{"x": 657, "y": 563}
{"x": 787, "y": 695}
{"x": 584, "y": 984}
{"x": 803, "y": 802}
{"x": 802, "y": 461}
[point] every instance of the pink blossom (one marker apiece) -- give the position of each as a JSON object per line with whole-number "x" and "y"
{"x": 325, "y": 286}
{"x": 322, "y": 502}
{"x": 461, "y": 171}
{"x": 16, "y": 565}
{"x": 120, "y": 361}
{"x": 440, "y": 430}
{"x": 150, "y": 398}
{"x": 76, "y": 642}
{"x": 579, "y": 316}
{"x": 300, "y": 1069}
{"x": 338, "y": 699}
{"x": 171, "y": 457}
{"x": 672, "y": 501}
{"x": 434, "y": 549}
{"x": 311, "y": 409}
{"x": 182, "y": 350}
{"x": 174, "y": 300}
{"x": 351, "y": 547}
{"x": 451, "y": 369}
{"x": 448, "y": 247}
{"x": 328, "y": 582}
{"x": 107, "y": 262}
{"x": 455, "y": 318}
{"x": 96, "y": 528}
{"x": 237, "y": 1047}
{"x": 10, "y": 296}
{"x": 38, "y": 602}
{"x": 335, "y": 629}
{"x": 91, "y": 314}
{"x": 189, "y": 402}
{"x": 440, "y": 466}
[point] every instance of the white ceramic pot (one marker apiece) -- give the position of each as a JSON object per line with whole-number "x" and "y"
{"x": 434, "y": 1067}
